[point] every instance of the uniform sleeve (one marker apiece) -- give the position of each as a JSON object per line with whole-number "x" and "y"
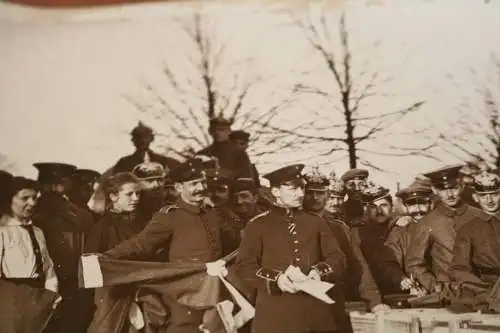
{"x": 461, "y": 267}
{"x": 368, "y": 290}
{"x": 51, "y": 281}
{"x": 1, "y": 252}
{"x": 416, "y": 261}
{"x": 334, "y": 265}
{"x": 248, "y": 262}
{"x": 94, "y": 241}
{"x": 158, "y": 231}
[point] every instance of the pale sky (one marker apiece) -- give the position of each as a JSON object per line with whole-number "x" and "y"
{"x": 63, "y": 76}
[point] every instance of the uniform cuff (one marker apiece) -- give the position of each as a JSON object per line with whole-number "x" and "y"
{"x": 323, "y": 268}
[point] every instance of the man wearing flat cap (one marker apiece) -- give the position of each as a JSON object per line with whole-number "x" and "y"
{"x": 354, "y": 182}
{"x": 188, "y": 232}
{"x": 431, "y": 245}
{"x": 417, "y": 201}
{"x": 475, "y": 268}
{"x": 142, "y": 137}
{"x": 153, "y": 195}
{"x": 284, "y": 240}
{"x": 372, "y": 236}
{"x": 230, "y": 157}
{"x": 64, "y": 225}
{"x": 360, "y": 284}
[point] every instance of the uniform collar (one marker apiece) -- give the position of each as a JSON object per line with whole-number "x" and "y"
{"x": 9, "y": 221}
{"x": 452, "y": 212}
{"x": 492, "y": 218}
{"x": 195, "y": 209}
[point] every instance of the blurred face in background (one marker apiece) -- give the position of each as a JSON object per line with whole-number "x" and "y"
{"x": 315, "y": 200}
{"x": 380, "y": 210}
{"x": 244, "y": 203}
{"x": 489, "y": 202}
{"x": 334, "y": 204}
{"x": 221, "y": 133}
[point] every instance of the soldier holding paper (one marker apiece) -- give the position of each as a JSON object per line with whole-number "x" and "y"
{"x": 283, "y": 248}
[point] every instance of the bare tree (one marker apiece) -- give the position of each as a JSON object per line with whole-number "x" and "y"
{"x": 474, "y": 133}
{"x": 205, "y": 81}
{"x": 347, "y": 121}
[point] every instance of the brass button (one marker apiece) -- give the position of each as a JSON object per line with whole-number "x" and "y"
{"x": 295, "y": 242}
{"x": 297, "y": 259}
{"x": 295, "y": 250}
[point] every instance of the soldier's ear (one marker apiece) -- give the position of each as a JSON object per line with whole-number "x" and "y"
{"x": 475, "y": 197}
{"x": 435, "y": 191}
{"x": 275, "y": 191}
{"x": 178, "y": 187}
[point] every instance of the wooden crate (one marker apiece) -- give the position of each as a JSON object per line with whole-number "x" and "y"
{"x": 424, "y": 321}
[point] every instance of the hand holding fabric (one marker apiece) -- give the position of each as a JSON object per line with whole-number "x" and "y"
{"x": 217, "y": 268}
{"x": 286, "y": 284}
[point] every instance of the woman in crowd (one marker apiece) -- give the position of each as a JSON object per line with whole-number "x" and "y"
{"x": 119, "y": 222}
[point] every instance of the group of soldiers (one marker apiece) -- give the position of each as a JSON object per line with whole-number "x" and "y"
{"x": 440, "y": 249}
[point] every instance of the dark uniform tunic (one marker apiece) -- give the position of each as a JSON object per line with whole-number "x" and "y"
{"x": 475, "y": 267}
{"x": 189, "y": 234}
{"x": 112, "y": 303}
{"x": 371, "y": 238}
{"x": 230, "y": 158}
{"x": 431, "y": 245}
{"x": 127, "y": 163}
{"x": 64, "y": 226}
{"x": 273, "y": 241}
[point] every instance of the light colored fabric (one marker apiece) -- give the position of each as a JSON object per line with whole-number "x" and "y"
{"x": 17, "y": 257}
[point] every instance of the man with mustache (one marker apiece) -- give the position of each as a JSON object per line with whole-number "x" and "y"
{"x": 354, "y": 181}
{"x": 153, "y": 193}
{"x": 417, "y": 200}
{"x": 359, "y": 280}
{"x": 283, "y": 237}
{"x": 431, "y": 245}
{"x": 187, "y": 232}
{"x": 371, "y": 238}
{"x": 475, "y": 268}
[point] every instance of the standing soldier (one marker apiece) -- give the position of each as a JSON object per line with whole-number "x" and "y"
{"x": 354, "y": 181}
{"x": 229, "y": 156}
{"x": 142, "y": 137}
{"x": 431, "y": 244}
{"x": 241, "y": 139}
{"x": 475, "y": 269}
{"x": 283, "y": 237}
{"x": 359, "y": 279}
{"x": 64, "y": 225}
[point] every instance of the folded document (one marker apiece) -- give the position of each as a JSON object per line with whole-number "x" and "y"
{"x": 310, "y": 286}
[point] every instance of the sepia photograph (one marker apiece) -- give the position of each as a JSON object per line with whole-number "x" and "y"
{"x": 250, "y": 166}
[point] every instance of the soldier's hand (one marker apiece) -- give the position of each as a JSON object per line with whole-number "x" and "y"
{"x": 217, "y": 268}
{"x": 380, "y": 308}
{"x": 314, "y": 275}
{"x": 406, "y": 284}
{"x": 286, "y": 285}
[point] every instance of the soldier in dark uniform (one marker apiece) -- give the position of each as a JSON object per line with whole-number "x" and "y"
{"x": 142, "y": 137}
{"x": 372, "y": 237}
{"x": 64, "y": 225}
{"x": 286, "y": 236}
{"x": 360, "y": 284}
{"x": 431, "y": 245}
{"x": 241, "y": 139}
{"x": 85, "y": 183}
{"x": 475, "y": 268}
{"x": 354, "y": 181}
{"x": 230, "y": 157}
{"x": 417, "y": 200}
{"x": 153, "y": 195}
{"x": 189, "y": 231}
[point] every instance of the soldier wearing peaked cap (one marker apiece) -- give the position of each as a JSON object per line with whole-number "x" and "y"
{"x": 188, "y": 231}
{"x": 64, "y": 225}
{"x": 286, "y": 236}
{"x": 372, "y": 236}
{"x": 153, "y": 195}
{"x": 142, "y": 138}
{"x": 475, "y": 268}
{"x": 354, "y": 181}
{"x": 431, "y": 244}
{"x": 242, "y": 139}
{"x": 360, "y": 283}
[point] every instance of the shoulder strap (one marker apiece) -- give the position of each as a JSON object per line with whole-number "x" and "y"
{"x": 168, "y": 208}
{"x": 258, "y": 216}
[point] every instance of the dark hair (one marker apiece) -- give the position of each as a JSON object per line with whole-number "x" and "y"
{"x": 113, "y": 184}
{"x": 12, "y": 188}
